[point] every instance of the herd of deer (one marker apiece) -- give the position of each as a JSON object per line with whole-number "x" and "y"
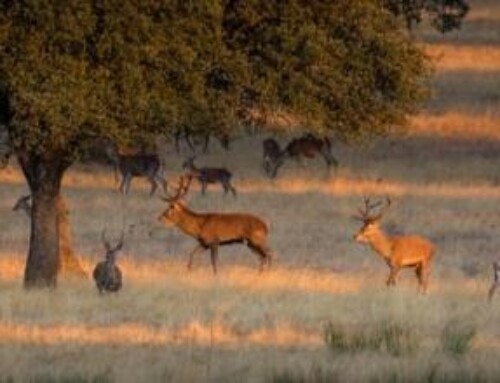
{"x": 214, "y": 229}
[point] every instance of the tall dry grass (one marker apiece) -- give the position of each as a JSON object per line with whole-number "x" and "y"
{"x": 170, "y": 325}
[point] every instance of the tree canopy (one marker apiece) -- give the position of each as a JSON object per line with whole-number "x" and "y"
{"x": 444, "y": 15}
{"x": 76, "y": 69}
{"x": 72, "y": 71}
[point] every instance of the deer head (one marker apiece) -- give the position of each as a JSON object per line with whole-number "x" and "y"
{"x": 371, "y": 222}
{"x": 24, "y": 204}
{"x": 173, "y": 213}
{"x": 189, "y": 163}
{"x": 111, "y": 251}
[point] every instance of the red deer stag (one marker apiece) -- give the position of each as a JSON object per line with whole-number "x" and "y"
{"x": 107, "y": 275}
{"x": 212, "y": 230}
{"x": 397, "y": 251}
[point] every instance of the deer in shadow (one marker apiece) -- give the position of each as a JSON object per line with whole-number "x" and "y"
{"x": 107, "y": 275}
{"x": 139, "y": 165}
{"x": 307, "y": 146}
{"x": 209, "y": 175}
{"x": 194, "y": 139}
{"x": 398, "y": 252}
{"x": 215, "y": 229}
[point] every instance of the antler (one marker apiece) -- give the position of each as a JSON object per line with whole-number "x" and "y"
{"x": 364, "y": 213}
{"x": 108, "y": 246}
{"x": 104, "y": 241}
{"x": 119, "y": 245}
{"x": 182, "y": 189}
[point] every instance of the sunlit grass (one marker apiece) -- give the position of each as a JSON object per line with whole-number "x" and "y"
{"x": 241, "y": 325}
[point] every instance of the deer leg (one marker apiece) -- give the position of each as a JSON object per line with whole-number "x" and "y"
{"x": 492, "y": 290}
{"x": 329, "y": 158}
{"x": 213, "y": 256}
{"x": 233, "y": 189}
{"x": 420, "y": 277}
{"x": 391, "y": 281}
{"x": 203, "y": 187}
{"x": 162, "y": 181}
{"x": 154, "y": 185}
{"x": 264, "y": 254}
{"x": 426, "y": 270}
{"x": 193, "y": 252}
{"x": 124, "y": 184}
{"x": 205, "y": 143}
{"x": 266, "y": 165}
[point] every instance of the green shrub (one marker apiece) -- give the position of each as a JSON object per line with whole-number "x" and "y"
{"x": 399, "y": 340}
{"x": 394, "y": 338}
{"x": 342, "y": 339}
{"x": 456, "y": 337}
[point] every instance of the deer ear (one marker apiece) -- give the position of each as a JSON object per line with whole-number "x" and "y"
{"x": 179, "y": 205}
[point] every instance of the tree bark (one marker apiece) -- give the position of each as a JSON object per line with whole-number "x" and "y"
{"x": 42, "y": 265}
{"x": 44, "y": 178}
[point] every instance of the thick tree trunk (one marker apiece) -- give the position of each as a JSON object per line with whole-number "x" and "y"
{"x": 43, "y": 264}
{"x": 44, "y": 179}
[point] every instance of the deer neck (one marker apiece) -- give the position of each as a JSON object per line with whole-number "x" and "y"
{"x": 381, "y": 243}
{"x": 190, "y": 222}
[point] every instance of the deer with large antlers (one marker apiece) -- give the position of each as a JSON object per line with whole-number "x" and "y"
{"x": 107, "y": 275}
{"x": 397, "y": 251}
{"x": 212, "y": 230}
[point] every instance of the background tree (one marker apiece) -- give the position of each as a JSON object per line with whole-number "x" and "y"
{"x": 444, "y": 15}
{"x": 75, "y": 71}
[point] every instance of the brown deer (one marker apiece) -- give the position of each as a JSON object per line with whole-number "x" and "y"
{"x": 271, "y": 152}
{"x": 107, "y": 275}
{"x": 212, "y": 230}
{"x": 397, "y": 251}
{"x": 207, "y": 175}
{"x": 496, "y": 280}
{"x": 306, "y": 146}
{"x": 194, "y": 139}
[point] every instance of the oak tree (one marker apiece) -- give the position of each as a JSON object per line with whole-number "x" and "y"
{"x": 75, "y": 71}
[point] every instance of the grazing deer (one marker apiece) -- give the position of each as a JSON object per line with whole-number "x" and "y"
{"x": 397, "y": 251}
{"x": 496, "y": 280}
{"x": 207, "y": 176}
{"x": 212, "y": 230}
{"x": 137, "y": 165}
{"x": 192, "y": 138}
{"x": 107, "y": 275}
{"x": 307, "y": 146}
{"x": 271, "y": 152}
{"x": 23, "y": 204}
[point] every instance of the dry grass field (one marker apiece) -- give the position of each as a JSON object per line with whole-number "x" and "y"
{"x": 323, "y": 313}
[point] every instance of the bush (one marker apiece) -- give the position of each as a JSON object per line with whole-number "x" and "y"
{"x": 390, "y": 337}
{"x": 456, "y": 337}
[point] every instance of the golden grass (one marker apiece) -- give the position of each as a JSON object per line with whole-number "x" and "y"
{"x": 448, "y": 57}
{"x": 137, "y": 334}
{"x": 341, "y": 186}
{"x": 170, "y": 325}
{"x": 457, "y": 126}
